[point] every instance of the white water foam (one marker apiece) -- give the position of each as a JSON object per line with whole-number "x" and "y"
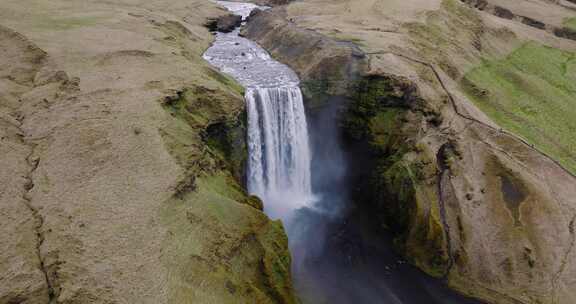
{"x": 278, "y": 143}
{"x": 279, "y": 154}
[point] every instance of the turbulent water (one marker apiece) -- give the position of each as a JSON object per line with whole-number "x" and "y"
{"x": 278, "y": 144}
{"x": 279, "y": 153}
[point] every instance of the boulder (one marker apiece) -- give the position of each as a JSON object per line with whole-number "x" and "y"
{"x": 228, "y": 23}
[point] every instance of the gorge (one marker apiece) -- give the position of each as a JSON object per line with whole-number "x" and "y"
{"x": 339, "y": 253}
{"x": 315, "y": 151}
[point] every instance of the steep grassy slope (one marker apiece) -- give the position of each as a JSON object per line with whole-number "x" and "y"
{"x": 121, "y": 152}
{"x": 220, "y": 244}
{"x": 219, "y": 238}
{"x": 532, "y": 92}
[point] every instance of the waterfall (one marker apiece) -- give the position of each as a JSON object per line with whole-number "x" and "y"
{"x": 278, "y": 144}
{"x": 279, "y": 152}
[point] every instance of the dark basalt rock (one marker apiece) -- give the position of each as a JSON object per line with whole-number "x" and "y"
{"x": 479, "y": 4}
{"x": 228, "y": 23}
{"x": 533, "y": 23}
{"x": 503, "y": 13}
{"x": 254, "y": 13}
{"x": 565, "y": 33}
{"x": 224, "y": 24}
{"x": 278, "y": 2}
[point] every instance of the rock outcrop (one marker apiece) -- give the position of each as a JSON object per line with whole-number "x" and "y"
{"x": 225, "y": 24}
{"x": 325, "y": 65}
{"x": 470, "y": 200}
{"x": 543, "y": 15}
{"x": 121, "y": 155}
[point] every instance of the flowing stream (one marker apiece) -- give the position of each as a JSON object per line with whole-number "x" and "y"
{"x": 337, "y": 257}
{"x": 278, "y": 143}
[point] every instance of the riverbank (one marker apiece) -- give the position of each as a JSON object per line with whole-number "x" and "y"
{"x": 115, "y": 185}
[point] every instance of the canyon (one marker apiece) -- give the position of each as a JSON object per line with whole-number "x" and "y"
{"x": 440, "y": 142}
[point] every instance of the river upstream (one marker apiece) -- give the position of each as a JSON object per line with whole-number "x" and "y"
{"x": 297, "y": 166}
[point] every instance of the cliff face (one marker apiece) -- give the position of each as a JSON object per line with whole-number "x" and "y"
{"x": 465, "y": 116}
{"x": 121, "y": 153}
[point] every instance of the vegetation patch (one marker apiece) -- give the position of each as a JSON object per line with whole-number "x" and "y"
{"x": 531, "y": 93}
{"x": 446, "y": 32}
{"x": 315, "y": 92}
{"x": 233, "y": 251}
{"x": 398, "y": 190}
{"x": 376, "y": 100}
{"x": 570, "y": 23}
{"x": 225, "y": 80}
{"x": 208, "y": 131}
{"x": 217, "y": 236}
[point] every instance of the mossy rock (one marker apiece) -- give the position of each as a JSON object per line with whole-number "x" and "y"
{"x": 388, "y": 97}
{"x": 384, "y": 113}
{"x": 233, "y": 250}
{"x": 214, "y": 118}
{"x": 255, "y": 202}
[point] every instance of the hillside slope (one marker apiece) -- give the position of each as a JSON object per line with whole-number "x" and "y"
{"x": 120, "y": 151}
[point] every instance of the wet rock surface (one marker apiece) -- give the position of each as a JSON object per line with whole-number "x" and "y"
{"x": 224, "y": 24}
{"x": 228, "y": 23}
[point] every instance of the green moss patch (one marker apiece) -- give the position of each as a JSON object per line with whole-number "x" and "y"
{"x": 531, "y": 93}
{"x": 570, "y": 23}
{"x": 208, "y": 131}
{"x": 232, "y": 250}
{"x": 447, "y": 34}
{"x": 377, "y": 103}
{"x": 386, "y": 112}
{"x": 414, "y": 216}
{"x": 225, "y": 80}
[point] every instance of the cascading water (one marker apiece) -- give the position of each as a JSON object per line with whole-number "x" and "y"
{"x": 278, "y": 144}
{"x": 279, "y": 161}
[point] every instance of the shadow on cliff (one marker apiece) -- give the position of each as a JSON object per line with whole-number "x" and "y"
{"x": 341, "y": 254}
